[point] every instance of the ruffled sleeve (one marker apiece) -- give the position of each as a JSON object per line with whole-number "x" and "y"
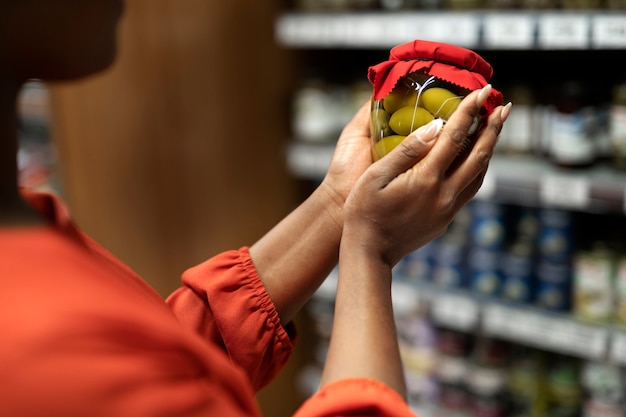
{"x": 225, "y": 301}
{"x": 357, "y": 397}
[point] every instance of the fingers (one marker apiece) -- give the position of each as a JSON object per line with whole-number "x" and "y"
{"x": 470, "y": 172}
{"x": 411, "y": 150}
{"x": 455, "y": 132}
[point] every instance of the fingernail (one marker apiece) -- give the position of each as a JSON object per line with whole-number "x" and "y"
{"x": 429, "y": 131}
{"x": 482, "y": 96}
{"x": 506, "y": 110}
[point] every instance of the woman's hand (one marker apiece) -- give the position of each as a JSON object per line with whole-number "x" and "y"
{"x": 398, "y": 204}
{"x": 410, "y": 196}
{"x": 352, "y": 156}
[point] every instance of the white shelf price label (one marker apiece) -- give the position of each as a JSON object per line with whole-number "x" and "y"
{"x": 456, "y": 311}
{"x": 618, "y": 347}
{"x": 456, "y": 28}
{"x": 563, "y": 31}
{"x": 565, "y": 191}
{"x": 608, "y": 31}
{"x": 546, "y": 332}
{"x": 509, "y": 31}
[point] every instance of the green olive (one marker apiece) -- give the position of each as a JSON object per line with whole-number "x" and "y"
{"x": 440, "y": 101}
{"x": 380, "y": 123}
{"x": 385, "y": 145}
{"x": 401, "y": 96}
{"x": 409, "y": 118}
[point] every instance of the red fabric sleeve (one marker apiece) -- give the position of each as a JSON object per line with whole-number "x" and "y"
{"x": 225, "y": 301}
{"x": 81, "y": 338}
{"x": 355, "y": 397}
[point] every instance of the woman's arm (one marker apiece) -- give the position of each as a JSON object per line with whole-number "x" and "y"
{"x": 401, "y": 202}
{"x": 295, "y": 257}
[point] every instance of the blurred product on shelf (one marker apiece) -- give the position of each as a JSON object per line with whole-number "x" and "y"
{"x": 464, "y": 4}
{"x": 520, "y": 133}
{"x": 518, "y": 261}
{"x": 578, "y": 131}
{"x": 417, "y": 340}
{"x": 486, "y": 378}
{"x": 320, "y": 109}
{"x": 619, "y": 315}
{"x": 594, "y": 283}
{"x": 450, "y": 253}
{"x": 453, "y": 354}
{"x": 617, "y": 125}
{"x": 554, "y": 265}
{"x": 526, "y": 382}
{"x": 487, "y": 241}
{"x": 604, "y": 384}
{"x": 36, "y": 154}
{"x": 563, "y": 387}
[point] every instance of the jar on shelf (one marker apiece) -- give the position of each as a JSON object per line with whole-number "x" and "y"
{"x": 576, "y": 131}
{"x": 422, "y": 81}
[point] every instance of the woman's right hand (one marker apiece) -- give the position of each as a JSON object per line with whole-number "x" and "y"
{"x": 410, "y": 196}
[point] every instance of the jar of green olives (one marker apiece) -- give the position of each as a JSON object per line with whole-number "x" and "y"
{"x": 422, "y": 81}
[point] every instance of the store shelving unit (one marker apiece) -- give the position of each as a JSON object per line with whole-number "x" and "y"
{"x": 478, "y": 29}
{"x": 524, "y": 180}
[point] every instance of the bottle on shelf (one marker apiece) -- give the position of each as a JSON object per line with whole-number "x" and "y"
{"x": 554, "y": 270}
{"x": 604, "y": 384}
{"x": 526, "y": 382}
{"x": 572, "y": 140}
{"x": 594, "y": 283}
{"x": 453, "y": 349}
{"x": 617, "y": 125}
{"x": 563, "y": 386}
{"x": 519, "y": 134}
{"x": 519, "y": 259}
{"x": 486, "y": 378}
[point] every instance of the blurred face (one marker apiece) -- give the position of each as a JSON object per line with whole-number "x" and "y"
{"x": 57, "y": 39}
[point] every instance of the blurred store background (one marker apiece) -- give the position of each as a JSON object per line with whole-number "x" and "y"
{"x": 220, "y": 117}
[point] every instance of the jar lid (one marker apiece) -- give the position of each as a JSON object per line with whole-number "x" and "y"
{"x": 453, "y": 64}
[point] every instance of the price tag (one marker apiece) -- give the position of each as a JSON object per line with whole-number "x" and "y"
{"x": 456, "y": 28}
{"x": 565, "y": 191}
{"x": 618, "y": 347}
{"x": 455, "y": 311}
{"x": 563, "y": 31}
{"x": 509, "y": 31}
{"x": 364, "y": 31}
{"x": 608, "y": 31}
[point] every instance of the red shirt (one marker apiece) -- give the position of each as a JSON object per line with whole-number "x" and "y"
{"x": 83, "y": 336}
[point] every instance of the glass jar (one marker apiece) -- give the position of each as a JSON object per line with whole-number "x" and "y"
{"x": 423, "y": 81}
{"x": 416, "y": 100}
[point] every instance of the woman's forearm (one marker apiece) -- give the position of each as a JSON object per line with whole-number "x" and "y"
{"x": 364, "y": 341}
{"x": 295, "y": 257}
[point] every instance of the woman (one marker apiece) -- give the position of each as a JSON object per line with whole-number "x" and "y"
{"x": 84, "y": 336}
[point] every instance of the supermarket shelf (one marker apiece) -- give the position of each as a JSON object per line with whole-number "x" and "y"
{"x": 530, "y": 326}
{"x": 521, "y": 180}
{"x": 496, "y": 30}
{"x": 555, "y": 332}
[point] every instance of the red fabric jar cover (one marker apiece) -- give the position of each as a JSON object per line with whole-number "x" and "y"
{"x": 450, "y": 63}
